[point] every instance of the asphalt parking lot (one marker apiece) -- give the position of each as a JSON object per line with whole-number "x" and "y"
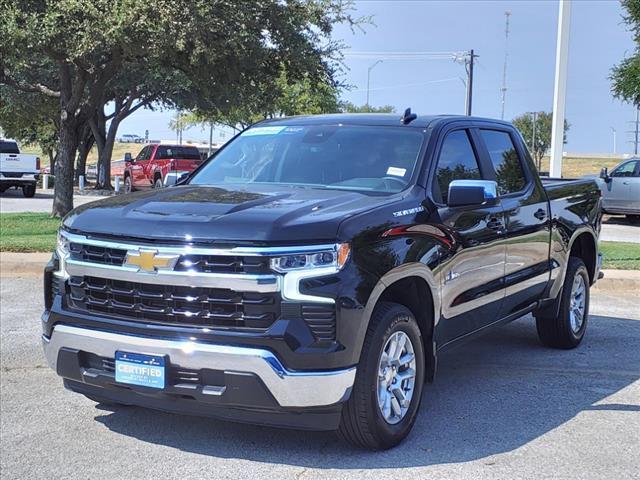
{"x": 502, "y": 407}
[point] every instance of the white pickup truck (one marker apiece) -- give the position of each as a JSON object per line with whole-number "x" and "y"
{"x": 18, "y": 169}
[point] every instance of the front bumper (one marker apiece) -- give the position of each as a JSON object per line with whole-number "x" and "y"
{"x": 67, "y": 346}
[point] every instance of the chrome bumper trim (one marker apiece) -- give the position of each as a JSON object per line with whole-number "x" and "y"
{"x": 238, "y": 282}
{"x": 289, "y": 388}
{"x": 191, "y": 250}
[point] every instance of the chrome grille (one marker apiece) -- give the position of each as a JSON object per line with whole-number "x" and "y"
{"x": 97, "y": 254}
{"x": 177, "y": 305}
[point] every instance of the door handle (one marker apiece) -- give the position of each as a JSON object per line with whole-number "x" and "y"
{"x": 495, "y": 224}
{"x": 540, "y": 214}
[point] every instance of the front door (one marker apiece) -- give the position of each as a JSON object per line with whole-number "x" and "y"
{"x": 138, "y": 167}
{"x": 472, "y": 272}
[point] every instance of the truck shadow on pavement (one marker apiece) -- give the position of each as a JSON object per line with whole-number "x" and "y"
{"x": 491, "y": 396}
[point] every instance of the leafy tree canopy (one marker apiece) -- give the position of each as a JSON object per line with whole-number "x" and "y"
{"x": 348, "y": 107}
{"x": 542, "y": 133}
{"x": 625, "y": 76}
{"x": 215, "y": 55}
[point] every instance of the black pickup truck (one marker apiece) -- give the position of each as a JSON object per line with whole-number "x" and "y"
{"x": 308, "y": 274}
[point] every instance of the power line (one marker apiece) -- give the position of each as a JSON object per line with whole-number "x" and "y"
{"x": 507, "y": 14}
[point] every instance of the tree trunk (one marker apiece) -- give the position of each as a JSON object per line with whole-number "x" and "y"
{"x": 104, "y": 157}
{"x": 63, "y": 188}
{"x": 84, "y": 147}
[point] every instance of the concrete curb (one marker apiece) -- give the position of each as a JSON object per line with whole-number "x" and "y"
{"x": 16, "y": 265}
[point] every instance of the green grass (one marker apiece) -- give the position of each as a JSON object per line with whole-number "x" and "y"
{"x": 36, "y": 232}
{"x": 27, "y": 232}
{"x": 620, "y": 255}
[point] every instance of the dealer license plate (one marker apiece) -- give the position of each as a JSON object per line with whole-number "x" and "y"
{"x": 139, "y": 369}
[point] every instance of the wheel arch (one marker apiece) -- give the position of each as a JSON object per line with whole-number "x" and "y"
{"x": 414, "y": 286}
{"x": 584, "y": 246}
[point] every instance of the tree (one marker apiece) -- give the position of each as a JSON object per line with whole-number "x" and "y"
{"x": 542, "y": 131}
{"x": 348, "y": 107}
{"x": 212, "y": 54}
{"x": 625, "y": 76}
{"x": 29, "y": 118}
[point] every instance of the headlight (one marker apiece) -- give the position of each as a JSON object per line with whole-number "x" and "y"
{"x": 62, "y": 244}
{"x": 336, "y": 257}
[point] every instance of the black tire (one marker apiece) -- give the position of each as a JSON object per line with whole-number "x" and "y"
{"x": 29, "y": 191}
{"x": 556, "y": 331}
{"x": 128, "y": 186}
{"x": 362, "y": 424}
{"x": 158, "y": 183}
{"x": 633, "y": 218}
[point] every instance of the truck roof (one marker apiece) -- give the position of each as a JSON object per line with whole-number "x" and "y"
{"x": 375, "y": 119}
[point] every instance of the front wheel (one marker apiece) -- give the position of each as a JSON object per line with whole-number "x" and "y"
{"x": 386, "y": 395}
{"x": 567, "y": 329}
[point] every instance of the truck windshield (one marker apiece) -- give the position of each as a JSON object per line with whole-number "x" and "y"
{"x": 365, "y": 158}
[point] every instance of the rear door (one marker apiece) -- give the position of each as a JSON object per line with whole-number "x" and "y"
{"x": 472, "y": 271}
{"x": 527, "y": 222}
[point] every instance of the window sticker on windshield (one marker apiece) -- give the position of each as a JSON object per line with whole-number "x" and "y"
{"x": 397, "y": 172}
{"x": 293, "y": 129}
{"x": 262, "y": 131}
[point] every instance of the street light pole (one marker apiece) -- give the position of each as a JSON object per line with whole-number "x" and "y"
{"x": 613, "y": 131}
{"x": 371, "y": 67}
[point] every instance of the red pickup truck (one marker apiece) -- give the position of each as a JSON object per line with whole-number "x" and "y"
{"x": 158, "y": 165}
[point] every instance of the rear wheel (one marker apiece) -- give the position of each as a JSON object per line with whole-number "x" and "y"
{"x": 567, "y": 329}
{"x": 386, "y": 395}
{"x": 128, "y": 187}
{"x": 29, "y": 191}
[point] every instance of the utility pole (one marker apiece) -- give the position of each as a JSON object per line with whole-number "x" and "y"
{"x": 469, "y": 67}
{"x": 371, "y": 67}
{"x": 506, "y": 56}
{"x": 560, "y": 88}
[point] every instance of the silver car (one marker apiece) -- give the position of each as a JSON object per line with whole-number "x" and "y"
{"x": 621, "y": 189}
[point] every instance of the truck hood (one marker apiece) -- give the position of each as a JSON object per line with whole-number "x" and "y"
{"x": 261, "y": 215}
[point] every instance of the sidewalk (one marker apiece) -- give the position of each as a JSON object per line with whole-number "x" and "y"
{"x": 15, "y": 265}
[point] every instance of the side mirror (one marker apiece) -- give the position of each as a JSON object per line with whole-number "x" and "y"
{"x": 127, "y": 157}
{"x": 469, "y": 193}
{"x": 604, "y": 174}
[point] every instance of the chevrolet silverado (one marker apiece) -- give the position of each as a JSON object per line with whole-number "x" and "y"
{"x": 309, "y": 273}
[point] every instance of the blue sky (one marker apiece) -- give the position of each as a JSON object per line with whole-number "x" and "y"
{"x": 598, "y": 40}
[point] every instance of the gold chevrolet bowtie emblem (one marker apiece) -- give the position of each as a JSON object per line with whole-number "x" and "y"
{"x": 150, "y": 261}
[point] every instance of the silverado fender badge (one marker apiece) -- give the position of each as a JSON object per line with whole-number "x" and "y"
{"x": 402, "y": 213}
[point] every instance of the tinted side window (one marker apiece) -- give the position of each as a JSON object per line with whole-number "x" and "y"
{"x": 505, "y": 160}
{"x": 457, "y": 161}
{"x": 185, "y": 153}
{"x": 624, "y": 170}
{"x": 145, "y": 153}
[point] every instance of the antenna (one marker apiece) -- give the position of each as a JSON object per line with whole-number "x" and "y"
{"x": 507, "y": 14}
